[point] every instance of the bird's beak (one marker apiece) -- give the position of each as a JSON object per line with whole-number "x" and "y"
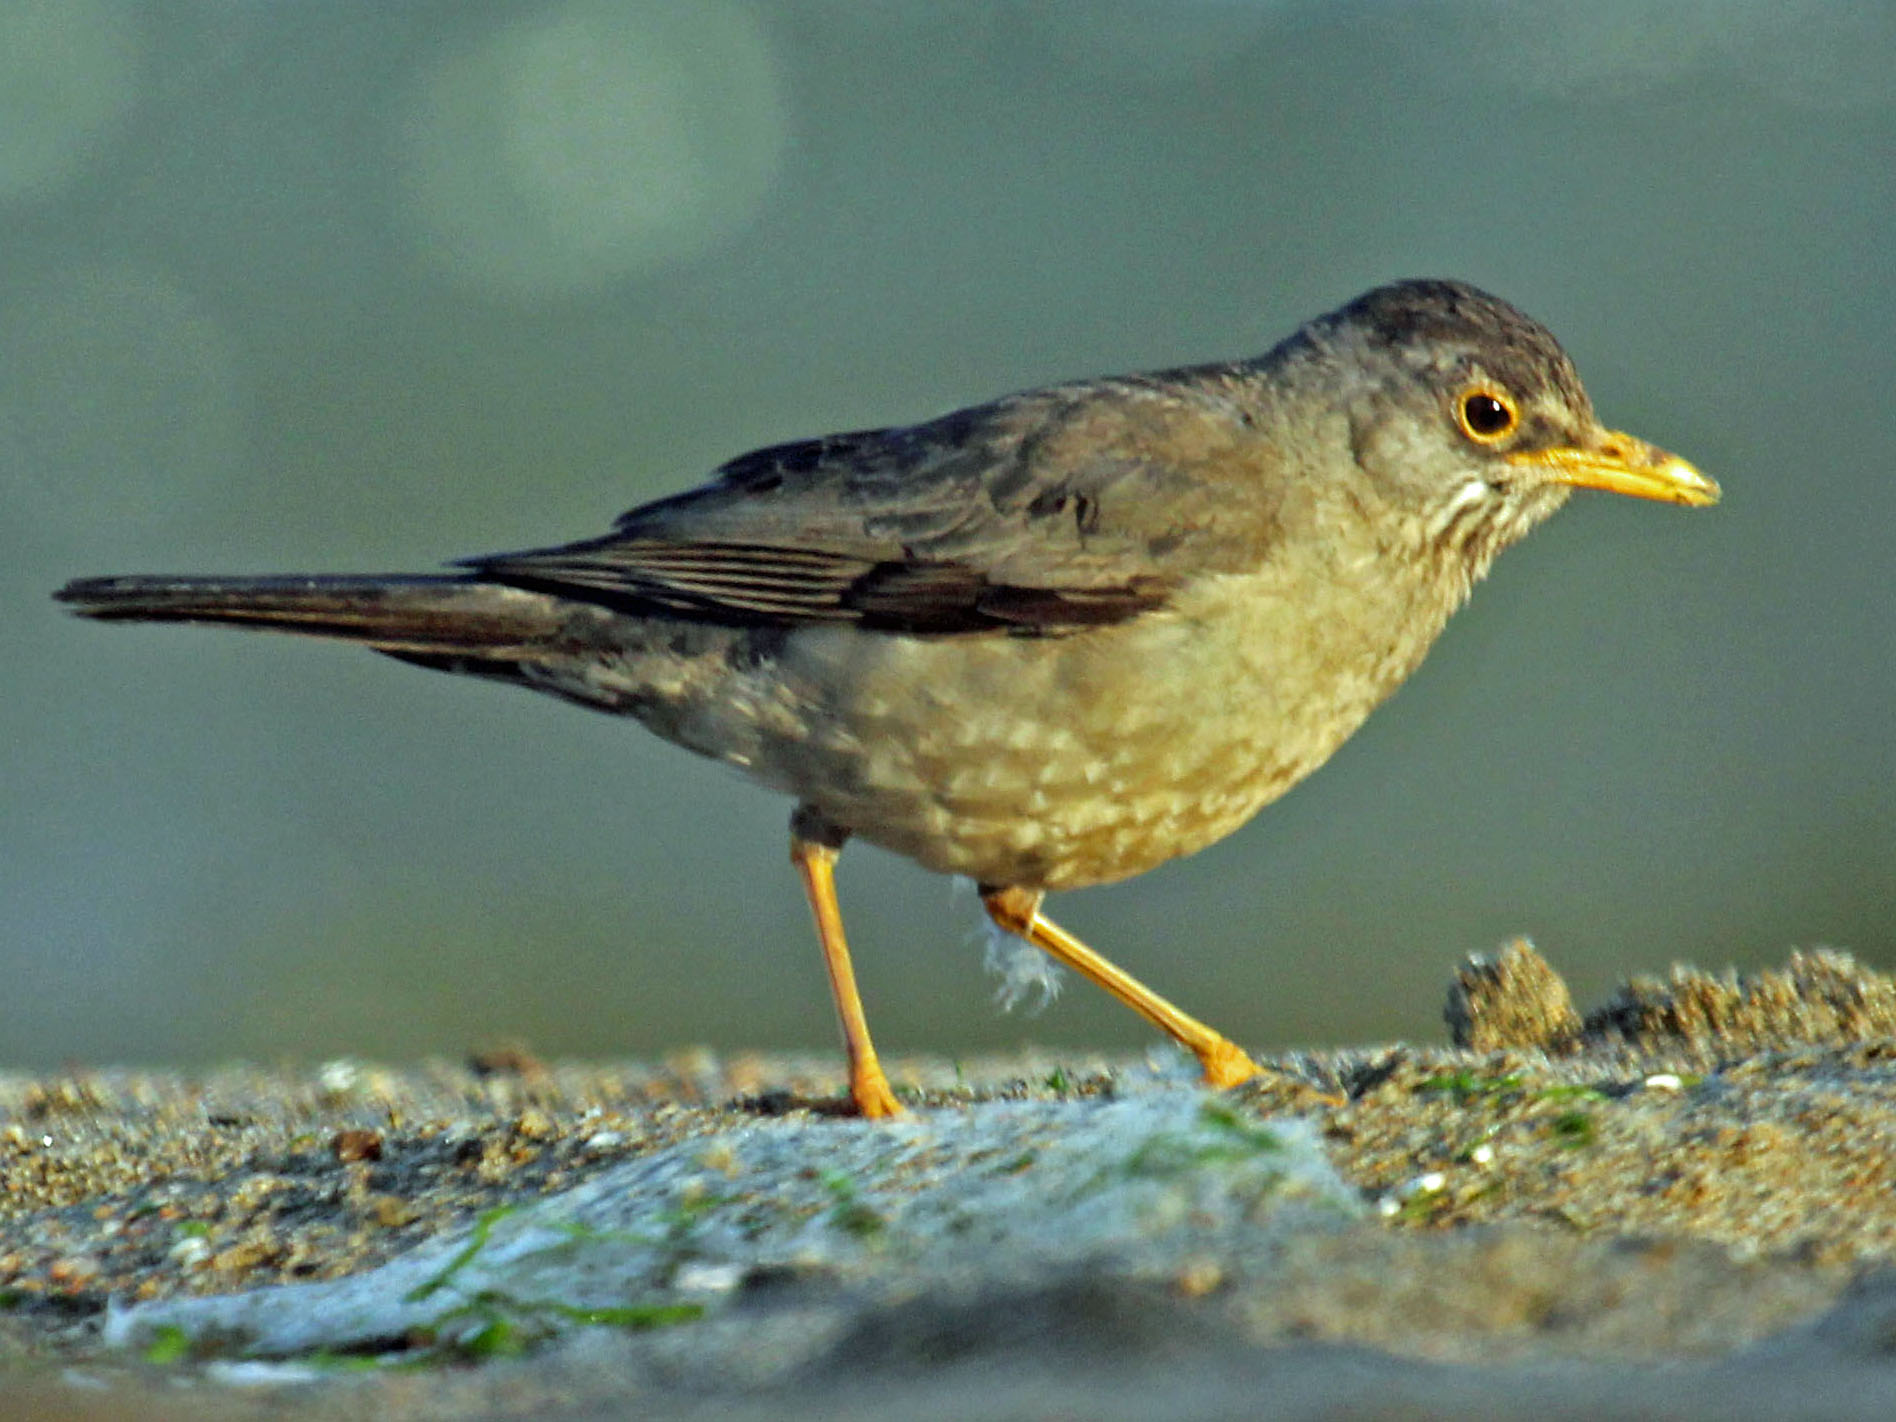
{"x": 1623, "y": 465}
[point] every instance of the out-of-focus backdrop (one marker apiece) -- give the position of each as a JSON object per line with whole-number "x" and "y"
{"x": 360, "y": 286}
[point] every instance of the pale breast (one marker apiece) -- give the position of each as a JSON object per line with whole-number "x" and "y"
{"x": 1060, "y": 762}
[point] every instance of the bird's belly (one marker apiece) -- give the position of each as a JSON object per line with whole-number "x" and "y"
{"x": 1056, "y": 763}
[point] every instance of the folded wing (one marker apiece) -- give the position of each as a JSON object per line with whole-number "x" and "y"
{"x": 1033, "y": 515}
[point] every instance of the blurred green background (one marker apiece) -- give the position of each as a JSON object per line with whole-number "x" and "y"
{"x": 362, "y": 286}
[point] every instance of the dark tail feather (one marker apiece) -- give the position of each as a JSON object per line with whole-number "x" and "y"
{"x": 446, "y": 613}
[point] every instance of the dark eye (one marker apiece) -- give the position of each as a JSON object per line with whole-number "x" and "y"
{"x": 1485, "y": 415}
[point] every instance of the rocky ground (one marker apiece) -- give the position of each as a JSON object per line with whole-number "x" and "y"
{"x": 1680, "y": 1205}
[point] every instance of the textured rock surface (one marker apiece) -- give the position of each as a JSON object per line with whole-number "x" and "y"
{"x": 1692, "y": 1215}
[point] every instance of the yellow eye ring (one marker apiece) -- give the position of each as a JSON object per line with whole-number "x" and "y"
{"x": 1486, "y": 415}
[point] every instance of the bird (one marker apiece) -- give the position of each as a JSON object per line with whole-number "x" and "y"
{"x": 1045, "y": 642}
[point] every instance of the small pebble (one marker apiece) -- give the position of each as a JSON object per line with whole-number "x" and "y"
{"x": 339, "y": 1077}
{"x": 705, "y": 1278}
{"x": 350, "y": 1146}
{"x": 1198, "y": 1277}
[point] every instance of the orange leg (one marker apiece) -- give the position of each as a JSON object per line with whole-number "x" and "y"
{"x": 814, "y": 846}
{"x": 1018, "y": 911}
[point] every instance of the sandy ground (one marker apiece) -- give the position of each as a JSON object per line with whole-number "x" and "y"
{"x": 1681, "y": 1205}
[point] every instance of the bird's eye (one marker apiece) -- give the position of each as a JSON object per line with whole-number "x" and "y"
{"x": 1485, "y": 415}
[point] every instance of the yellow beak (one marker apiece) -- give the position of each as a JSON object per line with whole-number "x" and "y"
{"x": 1621, "y": 464}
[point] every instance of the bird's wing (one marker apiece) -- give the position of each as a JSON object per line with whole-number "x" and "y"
{"x": 1043, "y": 513}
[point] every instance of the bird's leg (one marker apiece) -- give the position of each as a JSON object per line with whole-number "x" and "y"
{"x": 1018, "y": 911}
{"x": 814, "y": 845}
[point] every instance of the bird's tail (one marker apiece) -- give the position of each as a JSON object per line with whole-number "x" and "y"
{"x": 446, "y": 614}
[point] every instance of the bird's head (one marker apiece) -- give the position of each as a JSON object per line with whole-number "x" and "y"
{"x": 1467, "y": 417}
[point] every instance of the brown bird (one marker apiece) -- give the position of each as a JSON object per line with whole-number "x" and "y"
{"x": 1045, "y": 642}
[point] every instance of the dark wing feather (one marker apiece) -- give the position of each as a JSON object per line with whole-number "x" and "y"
{"x": 718, "y": 581}
{"x": 1041, "y": 513}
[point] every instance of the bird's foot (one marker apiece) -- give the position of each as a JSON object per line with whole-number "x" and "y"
{"x": 1225, "y": 1063}
{"x": 869, "y": 1089}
